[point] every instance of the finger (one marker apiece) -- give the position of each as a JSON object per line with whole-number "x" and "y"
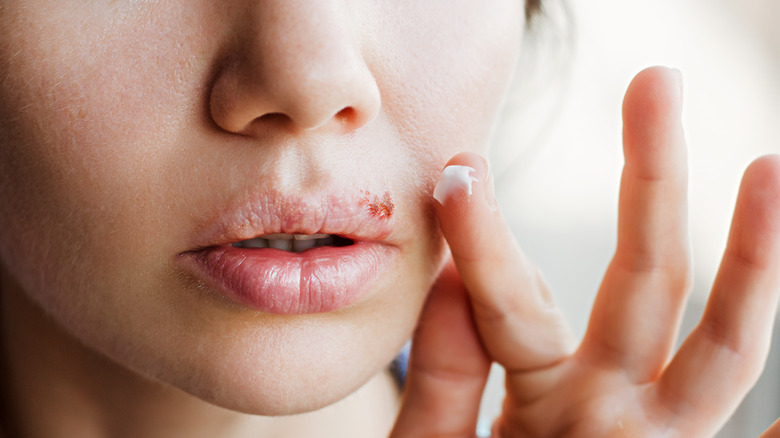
{"x": 723, "y": 357}
{"x": 638, "y": 309}
{"x": 520, "y": 326}
{"x": 448, "y": 367}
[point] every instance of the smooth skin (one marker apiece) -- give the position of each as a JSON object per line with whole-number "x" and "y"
{"x": 623, "y": 380}
{"x": 128, "y": 127}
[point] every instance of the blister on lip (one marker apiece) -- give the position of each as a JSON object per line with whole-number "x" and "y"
{"x": 349, "y": 217}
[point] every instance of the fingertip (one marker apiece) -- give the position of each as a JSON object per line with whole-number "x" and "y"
{"x": 504, "y": 289}
{"x": 467, "y": 178}
{"x": 756, "y": 225}
{"x": 740, "y": 313}
{"x": 764, "y": 172}
{"x": 466, "y": 207}
{"x": 471, "y": 159}
{"x": 760, "y": 189}
{"x": 653, "y": 137}
{"x": 659, "y": 88}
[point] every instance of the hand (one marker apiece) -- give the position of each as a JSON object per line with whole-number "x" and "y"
{"x": 491, "y": 304}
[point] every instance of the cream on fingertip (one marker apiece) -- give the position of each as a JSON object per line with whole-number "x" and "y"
{"x": 454, "y": 178}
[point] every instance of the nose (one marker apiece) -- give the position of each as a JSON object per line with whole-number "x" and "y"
{"x": 297, "y": 64}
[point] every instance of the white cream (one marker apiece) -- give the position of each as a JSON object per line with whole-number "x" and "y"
{"x": 453, "y": 179}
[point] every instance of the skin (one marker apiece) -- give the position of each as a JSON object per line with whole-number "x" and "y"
{"x": 622, "y": 380}
{"x": 126, "y": 125}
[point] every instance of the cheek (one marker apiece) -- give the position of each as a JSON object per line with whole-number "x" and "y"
{"x": 81, "y": 134}
{"x": 446, "y": 77}
{"x": 97, "y": 170}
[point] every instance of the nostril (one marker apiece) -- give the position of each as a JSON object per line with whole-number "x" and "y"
{"x": 266, "y": 121}
{"x": 351, "y": 118}
{"x": 273, "y": 118}
{"x": 346, "y": 114}
{"x": 347, "y": 118}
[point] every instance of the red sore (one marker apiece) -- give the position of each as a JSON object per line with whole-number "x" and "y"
{"x": 380, "y": 207}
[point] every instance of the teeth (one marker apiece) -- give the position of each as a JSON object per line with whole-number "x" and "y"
{"x": 310, "y": 236}
{"x": 254, "y": 243}
{"x": 278, "y": 236}
{"x": 283, "y": 244}
{"x": 287, "y": 242}
{"x": 303, "y": 245}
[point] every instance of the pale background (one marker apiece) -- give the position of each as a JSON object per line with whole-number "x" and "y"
{"x": 561, "y": 193}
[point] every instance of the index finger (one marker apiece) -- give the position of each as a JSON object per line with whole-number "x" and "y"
{"x": 520, "y": 325}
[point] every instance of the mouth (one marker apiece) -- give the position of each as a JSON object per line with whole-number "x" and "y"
{"x": 296, "y": 243}
{"x": 288, "y": 255}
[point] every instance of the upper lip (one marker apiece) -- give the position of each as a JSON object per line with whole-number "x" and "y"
{"x": 350, "y": 214}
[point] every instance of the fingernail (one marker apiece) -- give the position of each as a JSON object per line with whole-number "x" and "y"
{"x": 454, "y": 179}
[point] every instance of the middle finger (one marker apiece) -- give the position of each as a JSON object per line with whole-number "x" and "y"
{"x": 638, "y": 309}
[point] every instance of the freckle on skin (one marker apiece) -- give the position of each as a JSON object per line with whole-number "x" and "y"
{"x": 379, "y": 206}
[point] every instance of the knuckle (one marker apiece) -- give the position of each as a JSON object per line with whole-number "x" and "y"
{"x": 675, "y": 268}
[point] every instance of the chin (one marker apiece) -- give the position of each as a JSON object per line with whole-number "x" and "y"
{"x": 306, "y": 376}
{"x": 273, "y": 365}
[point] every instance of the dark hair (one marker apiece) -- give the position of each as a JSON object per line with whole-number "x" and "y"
{"x": 532, "y": 8}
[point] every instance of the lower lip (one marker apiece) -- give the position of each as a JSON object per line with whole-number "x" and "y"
{"x": 319, "y": 280}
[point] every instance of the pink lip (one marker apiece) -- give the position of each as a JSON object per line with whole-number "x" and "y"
{"x": 323, "y": 279}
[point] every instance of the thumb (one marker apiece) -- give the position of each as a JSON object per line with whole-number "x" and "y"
{"x": 448, "y": 367}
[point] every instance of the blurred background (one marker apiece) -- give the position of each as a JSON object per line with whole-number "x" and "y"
{"x": 559, "y": 158}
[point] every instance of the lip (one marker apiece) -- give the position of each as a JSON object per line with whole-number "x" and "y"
{"x": 318, "y": 280}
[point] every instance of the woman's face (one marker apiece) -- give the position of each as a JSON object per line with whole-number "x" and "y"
{"x": 144, "y": 144}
